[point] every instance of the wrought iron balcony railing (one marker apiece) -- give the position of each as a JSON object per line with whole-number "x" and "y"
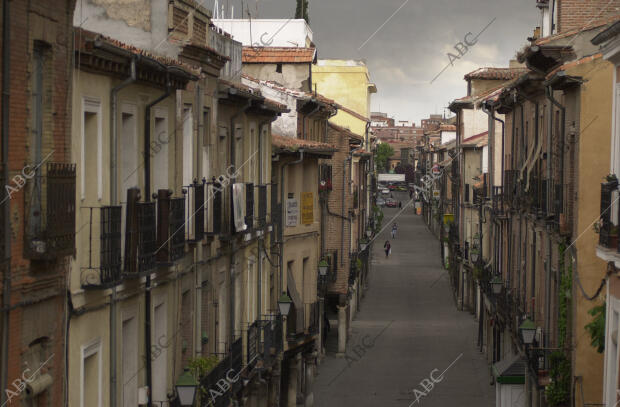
{"x": 104, "y": 265}
{"x": 314, "y": 319}
{"x": 170, "y": 227}
{"x": 50, "y": 207}
{"x": 608, "y": 232}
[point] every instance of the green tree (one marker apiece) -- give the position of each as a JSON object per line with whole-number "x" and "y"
{"x": 383, "y": 153}
{"x": 302, "y": 10}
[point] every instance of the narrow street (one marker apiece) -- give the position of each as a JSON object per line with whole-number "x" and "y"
{"x": 409, "y": 312}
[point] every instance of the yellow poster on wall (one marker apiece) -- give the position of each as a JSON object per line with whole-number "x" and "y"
{"x": 307, "y": 209}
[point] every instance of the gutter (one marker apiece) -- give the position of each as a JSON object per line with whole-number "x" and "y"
{"x": 114, "y": 200}
{"x": 231, "y": 290}
{"x": 549, "y": 94}
{"x": 6, "y": 204}
{"x": 147, "y": 197}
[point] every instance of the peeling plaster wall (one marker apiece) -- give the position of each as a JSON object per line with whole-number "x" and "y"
{"x": 286, "y": 123}
{"x": 142, "y": 23}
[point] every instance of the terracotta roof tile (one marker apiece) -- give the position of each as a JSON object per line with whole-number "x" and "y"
{"x": 262, "y": 55}
{"x": 86, "y": 35}
{"x": 496, "y": 73}
{"x": 577, "y": 31}
{"x": 294, "y": 144}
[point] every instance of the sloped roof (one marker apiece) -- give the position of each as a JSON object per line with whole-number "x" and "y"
{"x": 265, "y": 55}
{"x": 290, "y": 144}
{"x": 496, "y": 73}
{"x": 84, "y": 35}
{"x": 478, "y": 140}
{"x": 576, "y": 31}
{"x": 345, "y": 131}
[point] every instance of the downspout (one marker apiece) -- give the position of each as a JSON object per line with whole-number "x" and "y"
{"x": 261, "y": 125}
{"x": 113, "y": 201}
{"x": 147, "y": 198}
{"x": 231, "y": 288}
{"x": 6, "y": 204}
{"x": 550, "y": 193}
{"x": 281, "y": 231}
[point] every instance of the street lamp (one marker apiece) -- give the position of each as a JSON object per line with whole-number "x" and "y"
{"x": 186, "y": 388}
{"x": 323, "y": 266}
{"x": 363, "y": 244}
{"x": 474, "y": 254}
{"x": 528, "y": 331}
{"x": 368, "y": 233}
{"x": 284, "y": 303}
{"x": 496, "y": 284}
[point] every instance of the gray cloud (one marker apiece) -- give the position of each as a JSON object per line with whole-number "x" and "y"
{"x": 405, "y": 55}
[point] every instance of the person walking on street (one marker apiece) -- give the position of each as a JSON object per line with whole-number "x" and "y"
{"x": 394, "y": 228}
{"x": 388, "y": 248}
{"x": 400, "y": 204}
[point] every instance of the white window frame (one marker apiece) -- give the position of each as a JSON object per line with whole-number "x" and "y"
{"x": 93, "y": 347}
{"x": 91, "y": 105}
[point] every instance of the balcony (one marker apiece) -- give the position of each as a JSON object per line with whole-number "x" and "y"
{"x": 170, "y": 227}
{"x": 104, "y": 264}
{"x": 196, "y": 211}
{"x": 262, "y": 206}
{"x": 264, "y": 341}
{"x": 249, "y": 206}
{"x": 314, "y": 320}
{"x": 140, "y": 236}
{"x": 50, "y": 213}
{"x": 497, "y": 200}
{"x": 325, "y": 178}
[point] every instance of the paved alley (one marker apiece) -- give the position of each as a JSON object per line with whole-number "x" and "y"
{"x": 407, "y": 327}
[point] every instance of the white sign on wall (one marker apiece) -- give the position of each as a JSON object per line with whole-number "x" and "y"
{"x": 292, "y": 212}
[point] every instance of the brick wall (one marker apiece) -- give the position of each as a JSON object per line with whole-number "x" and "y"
{"x": 573, "y": 14}
{"x": 38, "y": 286}
{"x": 334, "y": 231}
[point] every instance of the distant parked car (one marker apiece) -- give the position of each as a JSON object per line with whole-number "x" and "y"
{"x": 391, "y": 203}
{"x": 380, "y": 201}
{"x": 402, "y": 188}
{"x": 385, "y": 191}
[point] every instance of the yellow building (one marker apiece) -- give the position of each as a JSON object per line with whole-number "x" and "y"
{"x": 348, "y": 83}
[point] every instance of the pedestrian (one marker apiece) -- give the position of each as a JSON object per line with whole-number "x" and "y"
{"x": 388, "y": 248}
{"x": 394, "y": 228}
{"x": 326, "y": 327}
{"x": 400, "y": 204}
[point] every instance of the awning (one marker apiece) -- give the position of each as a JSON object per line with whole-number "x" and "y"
{"x": 510, "y": 370}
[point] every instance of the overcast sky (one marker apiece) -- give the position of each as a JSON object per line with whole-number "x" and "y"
{"x": 411, "y": 48}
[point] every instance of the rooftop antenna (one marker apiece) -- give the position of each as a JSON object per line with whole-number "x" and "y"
{"x": 232, "y": 12}
{"x": 215, "y": 9}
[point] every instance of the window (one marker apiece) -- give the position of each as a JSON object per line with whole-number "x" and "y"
{"x": 91, "y": 150}
{"x": 186, "y": 328}
{"x": 188, "y": 146}
{"x": 611, "y": 352}
{"x": 160, "y": 159}
{"x": 279, "y": 68}
{"x": 159, "y": 366}
{"x": 91, "y": 383}
{"x": 130, "y": 359}
{"x": 129, "y": 149}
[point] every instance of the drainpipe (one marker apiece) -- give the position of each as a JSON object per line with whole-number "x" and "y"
{"x": 6, "y": 204}
{"x": 147, "y": 197}
{"x": 301, "y": 158}
{"x": 261, "y": 125}
{"x": 114, "y": 200}
{"x": 231, "y": 288}
{"x": 549, "y": 94}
